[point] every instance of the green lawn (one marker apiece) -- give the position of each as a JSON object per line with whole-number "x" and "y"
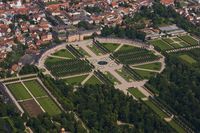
{"x": 75, "y": 80}
{"x": 52, "y": 60}
{"x": 177, "y": 39}
{"x": 175, "y": 126}
{"x": 125, "y": 75}
{"x": 49, "y": 106}
{"x": 151, "y": 66}
{"x": 111, "y": 46}
{"x": 163, "y": 115}
{"x": 175, "y": 45}
{"x": 64, "y": 53}
{"x": 126, "y": 47}
{"x": 172, "y": 43}
{"x": 35, "y": 88}
{"x": 187, "y": 59}
{"x": 156, "y": 109}
{"x": 189, "y": 40}
{"x": 93, "y": 81}
{"x": 161, "y": 44}
{"x": 168, "y": 40}
{"x": 82, "y": 51}
{"x": 184, "y": 44}
{"x": 145, "y": 74}
{"x": 136, "y": 93}
{"x": 19, "y": 91}
{"x": 111, "y": 77}
{"x": 95, "y": 50}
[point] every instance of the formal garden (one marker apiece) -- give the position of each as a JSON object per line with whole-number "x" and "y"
{"x": 170, "y": 43}
{"x": 68, "y": 67}
{"x": 133, "y": 64}
{"x": 33, "y": 98}
{"x": 134, "y": 55}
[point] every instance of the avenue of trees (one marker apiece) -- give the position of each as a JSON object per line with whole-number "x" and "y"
{"x": 178, "y": 87}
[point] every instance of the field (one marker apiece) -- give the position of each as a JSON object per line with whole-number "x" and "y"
{"x": 30, "y": 94}
{"x": 136, "y": 93}
{"x": 49, "y": 106}
{"x": 189, "y": 40}
{"x": 93, "y": 81}
{"x": 53, "y": 60}
{"x": 134, "y": 55}
{"x": 68, "y": 67}
{"x": 174, "y": 125}
{"x": 35, "y": 88}
{"x": 162, "y": 45}
{"x": 64, "y": 53}
{"x": 75, "y": 80}
{"x": 173, "y": 42}
{"x": 31, "y": 108}
{"x": 110, "y": 46}
{"x": 19, "y": 91}
{"x": 156, "y": 109}
{"x": 187, "y": 59}
{"x": 95, "y": 50}
{"x": 151, "y": 66}
{"x": 126, "y": 47}
{"x": 145, "y": 74}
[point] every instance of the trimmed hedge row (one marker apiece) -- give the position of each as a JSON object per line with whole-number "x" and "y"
{"x": 74, "y": 51}
{"x": 101, "y": 47}
{"x": 133, "y": 74}
{"x": 103, "y": 78}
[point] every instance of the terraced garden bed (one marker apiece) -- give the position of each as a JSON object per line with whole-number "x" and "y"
{"x": 134, "y": 56}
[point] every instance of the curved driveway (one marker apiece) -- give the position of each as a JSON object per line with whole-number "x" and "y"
{"x": 84, "y": 45}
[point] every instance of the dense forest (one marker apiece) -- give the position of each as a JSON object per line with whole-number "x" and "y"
{"x": 179, "y": 85}
{"x": 100, "y": 107}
